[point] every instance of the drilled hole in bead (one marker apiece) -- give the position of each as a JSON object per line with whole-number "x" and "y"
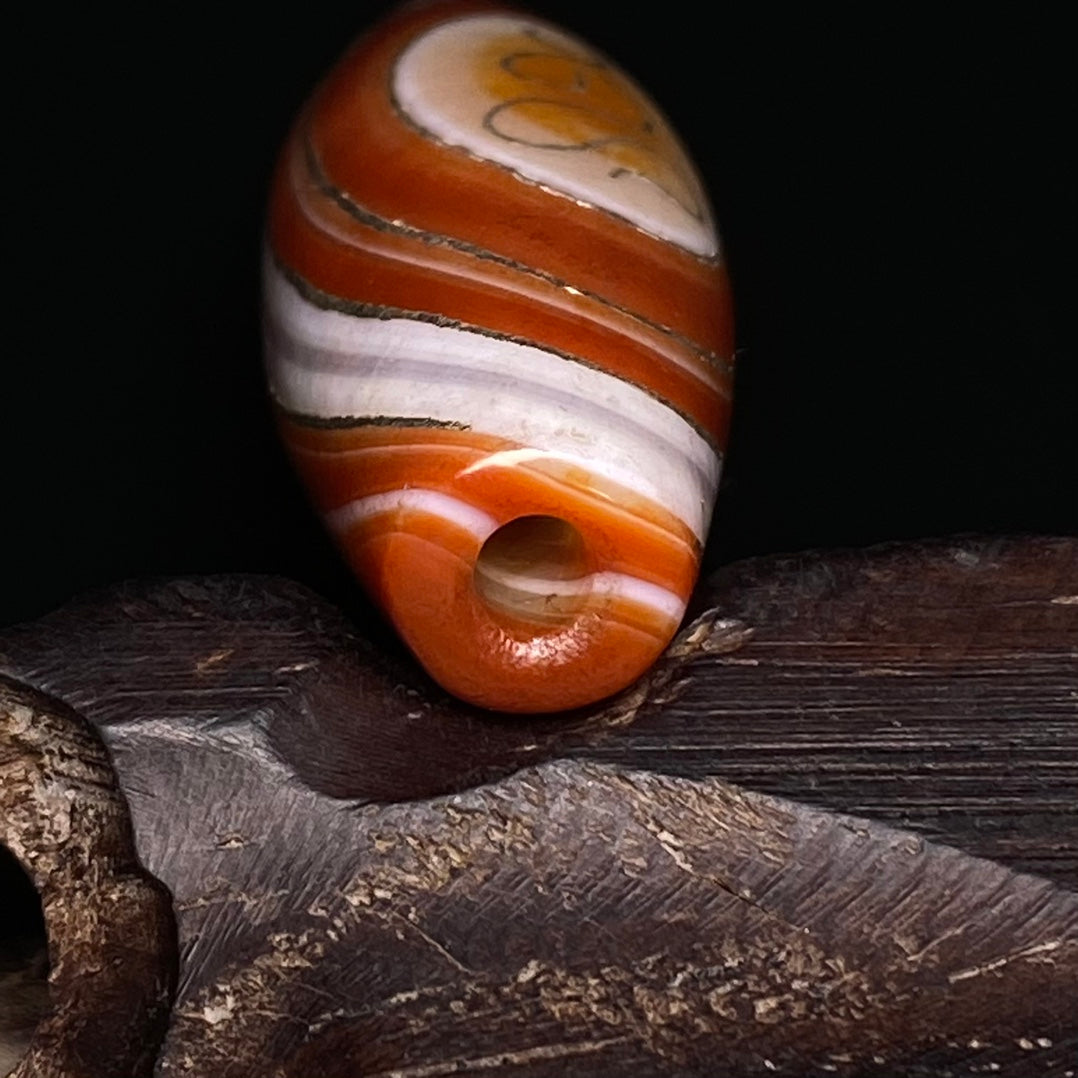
{"x": 534, "y": 568}
{"x": 24, "y": 962}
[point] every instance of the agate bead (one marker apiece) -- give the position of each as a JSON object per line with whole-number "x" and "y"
{"x": 499, "y": 340}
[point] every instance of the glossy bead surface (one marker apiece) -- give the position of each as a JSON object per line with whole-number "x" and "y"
{"x": 499, "y": 339}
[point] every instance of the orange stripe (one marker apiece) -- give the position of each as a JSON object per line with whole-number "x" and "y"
{"x": 340, "y": 256}
{"x": 363, "y": 539}
{"x": 623, "y": 532}
{"x": 342, "y": 439}
{"x": 338, "y": 466}
{"x": 383, "y": 164}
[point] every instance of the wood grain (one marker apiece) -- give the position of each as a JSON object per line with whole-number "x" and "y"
{"x": 835, "y": 831}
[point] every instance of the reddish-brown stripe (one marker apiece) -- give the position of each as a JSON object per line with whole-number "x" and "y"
{"x": 624, "y": 534}
{"x": 348, "y": 260}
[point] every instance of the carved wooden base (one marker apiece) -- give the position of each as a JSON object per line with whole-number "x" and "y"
{"x": 835, "y": 831}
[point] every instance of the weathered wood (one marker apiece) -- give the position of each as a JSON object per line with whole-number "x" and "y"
{"x": 836, "y": 831}
{"x": 24, "y": 962}
{"x": 932, "y": 686}
{"x": 927, "y": 685}
{"x": 112, "y": 940}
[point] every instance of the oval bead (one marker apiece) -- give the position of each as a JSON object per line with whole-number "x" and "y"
{"x": 499, "y": 340}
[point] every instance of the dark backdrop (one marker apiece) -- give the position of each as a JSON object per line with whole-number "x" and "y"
{"x": 897, "y": 216}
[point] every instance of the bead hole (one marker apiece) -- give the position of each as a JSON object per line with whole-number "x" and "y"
{"x": 24, "y": 963}
{"x": 534, "y": 568}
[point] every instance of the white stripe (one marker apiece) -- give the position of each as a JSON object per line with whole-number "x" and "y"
{"x": 465, "y": 516}
{"x": 330, "y": 364}
{"x": 618, "y": 585}
{"x": 639, "y": 591}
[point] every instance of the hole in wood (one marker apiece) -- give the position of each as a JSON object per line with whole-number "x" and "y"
{"x": 534, "y": 569}
{"x": 24, "y": 961}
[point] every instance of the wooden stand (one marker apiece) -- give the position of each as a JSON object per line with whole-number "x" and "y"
{"x": 835, "y": 831}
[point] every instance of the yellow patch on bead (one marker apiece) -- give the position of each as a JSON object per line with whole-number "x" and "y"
{"x": 530, "y": 97}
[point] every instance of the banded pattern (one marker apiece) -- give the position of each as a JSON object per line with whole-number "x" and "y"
{"x": 498, "y": 334}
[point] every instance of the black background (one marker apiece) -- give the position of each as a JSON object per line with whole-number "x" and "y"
{"x": 898, "y": 219}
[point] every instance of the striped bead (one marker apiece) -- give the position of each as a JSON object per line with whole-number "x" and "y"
{"x": 499, "y": 340}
